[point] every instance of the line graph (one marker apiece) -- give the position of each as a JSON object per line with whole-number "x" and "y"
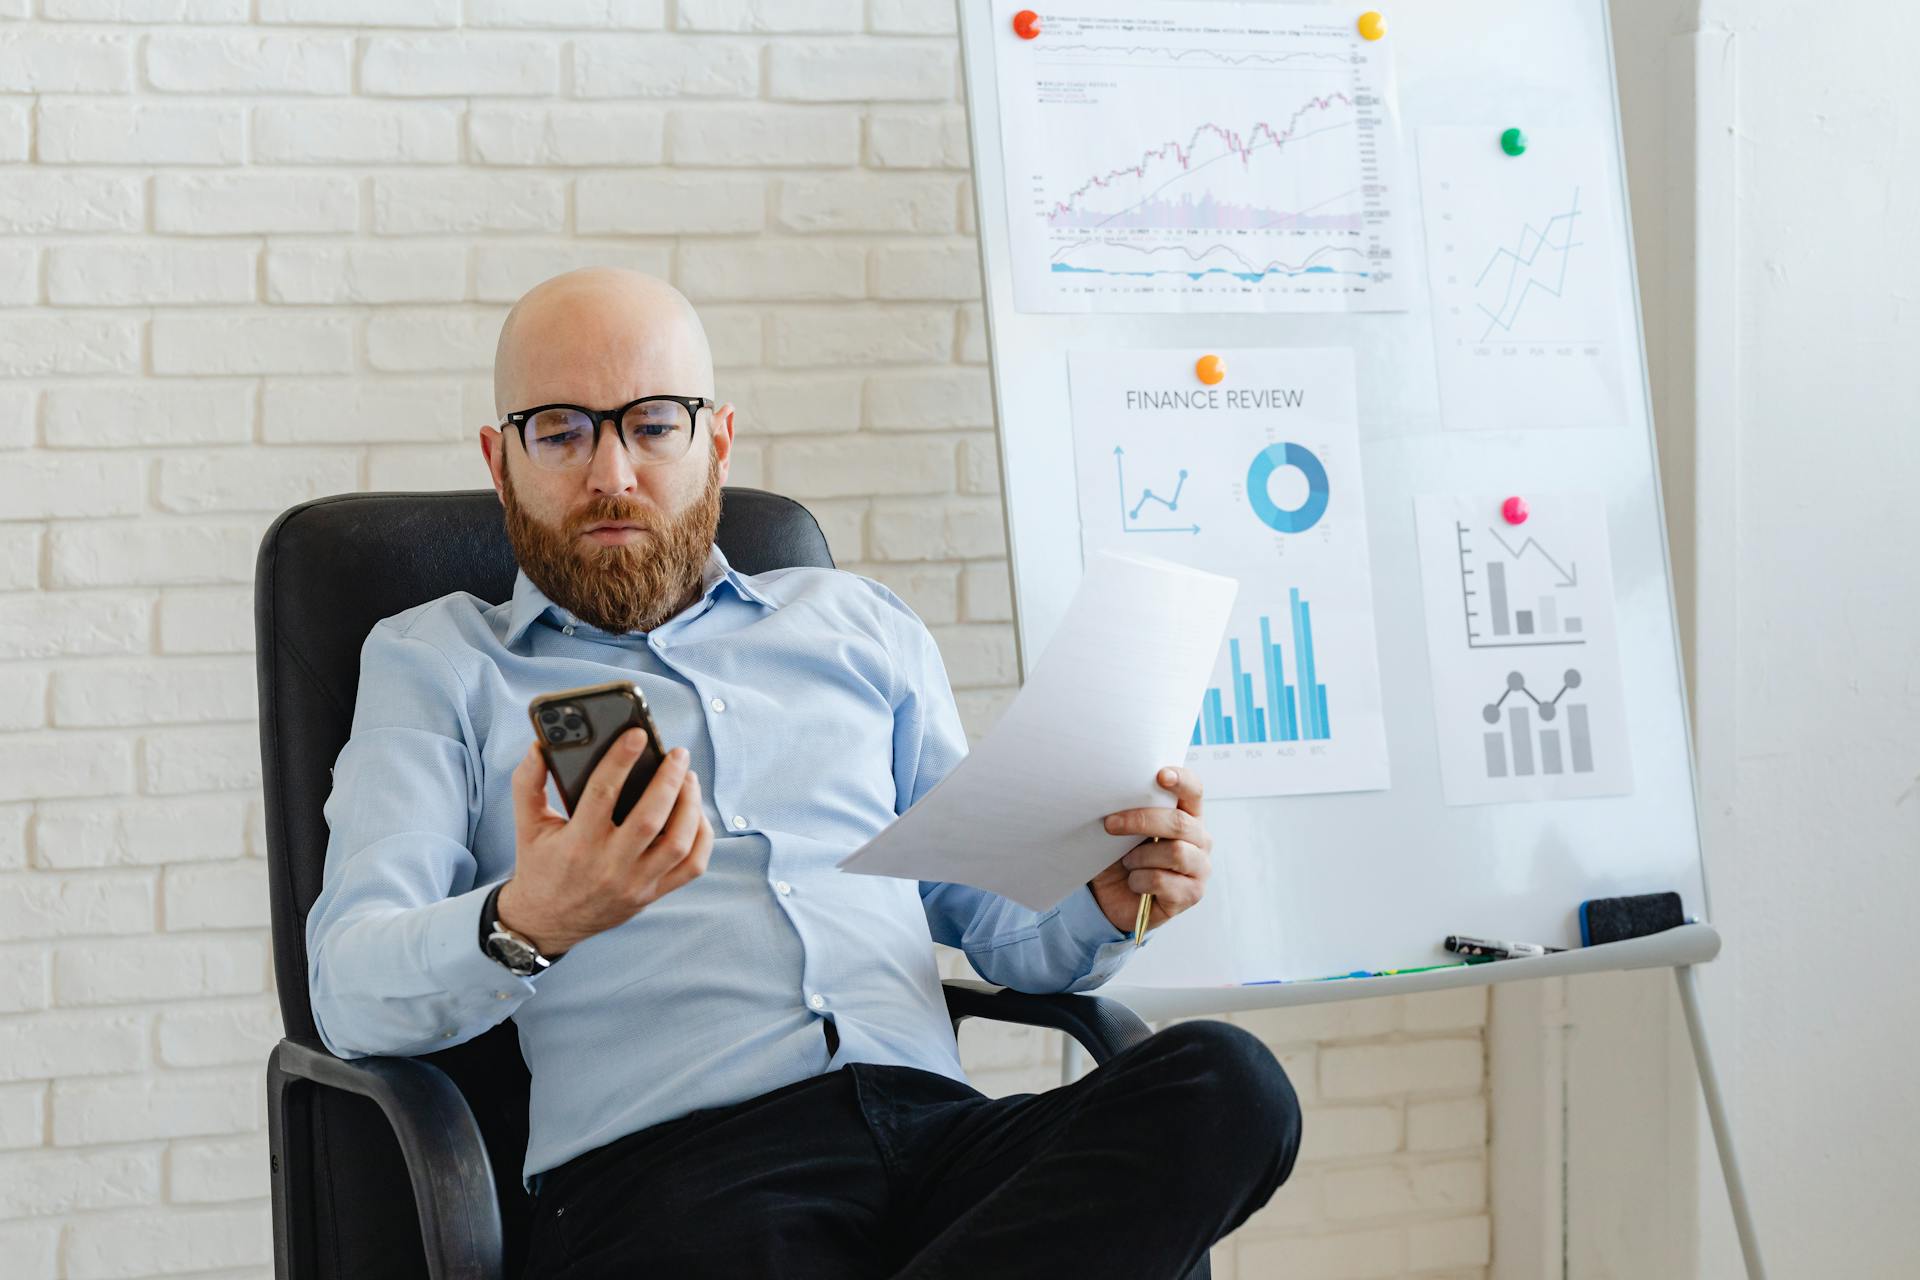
{"x": 1512, "y": 753}
{"x": 1569, "y": 576}
{"x": 1518, "y": 250}
{"x": 1520, "y": 277}
{"x": 1186, "y": 163}
{"x": 1137, "y": 54}
{"x": 1141, "y": 178}
{"x": 1208, "y": 212}
{"x": 1171, "y": 503}
{"x": 1124, "y": 258}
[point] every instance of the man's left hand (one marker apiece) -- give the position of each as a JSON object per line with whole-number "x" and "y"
{"x": 1172, "y": 861}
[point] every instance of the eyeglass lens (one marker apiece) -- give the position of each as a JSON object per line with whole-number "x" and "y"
{"x": 655, "y": 430}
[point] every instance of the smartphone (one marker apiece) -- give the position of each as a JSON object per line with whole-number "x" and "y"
{"x": 575, "y": 727}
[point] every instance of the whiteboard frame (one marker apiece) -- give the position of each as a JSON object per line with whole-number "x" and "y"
{"x": 1680, "y": 948}
{"x": 990, "y": 212}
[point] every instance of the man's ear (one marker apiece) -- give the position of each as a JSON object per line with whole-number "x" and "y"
{"x": 493, "y": 447}
{"x": 723, "y": 438}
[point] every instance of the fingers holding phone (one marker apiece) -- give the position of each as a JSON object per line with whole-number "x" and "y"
{"x": 663, "y": 828}
{"x": 665, "y": 838}
{"x": 637, "y": 829}
{"x": 678, "y": 845}
{"x": 621, "y": 778}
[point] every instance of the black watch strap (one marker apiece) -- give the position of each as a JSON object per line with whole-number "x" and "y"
{"x": 487, "y": 917}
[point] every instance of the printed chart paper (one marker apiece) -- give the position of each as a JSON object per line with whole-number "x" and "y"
{"x": 1526, "y": 665}
{"x": 1199, "y": 157}
{"x": 1022, "y": 814}
{"x": 1529, "y": 323}
{"x": 1257, "y": 478}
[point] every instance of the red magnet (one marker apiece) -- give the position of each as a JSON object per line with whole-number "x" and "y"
{"x": 1515, "y": 510}
{"x": 1026, "y": 24}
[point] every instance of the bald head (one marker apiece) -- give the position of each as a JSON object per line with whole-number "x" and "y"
{"x": 600, "y": 336}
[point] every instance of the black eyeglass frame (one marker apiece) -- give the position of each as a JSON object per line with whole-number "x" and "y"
{"x": 692, "y": 404}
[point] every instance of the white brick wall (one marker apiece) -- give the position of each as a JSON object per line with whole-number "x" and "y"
{"x": 254, "y": 251}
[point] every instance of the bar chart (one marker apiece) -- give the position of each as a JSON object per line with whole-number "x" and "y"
{"x": 1257, "y": 478}
{"x": 1275, "y": 710}
{"x": 1497, "y": 578}
{"x": 1518, "y": 749}
{"x": 1524, "y": 647}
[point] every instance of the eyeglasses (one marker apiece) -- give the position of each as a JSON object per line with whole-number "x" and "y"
{"x": 653, "y": 430}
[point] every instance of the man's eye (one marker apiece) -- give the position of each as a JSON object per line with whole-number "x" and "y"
{"x": 560, "y": 437}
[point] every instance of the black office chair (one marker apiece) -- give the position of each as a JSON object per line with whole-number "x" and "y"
{"x": 407, "y": 1167}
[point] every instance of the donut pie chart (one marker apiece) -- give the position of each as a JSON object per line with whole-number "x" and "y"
{"x": 1270, "y": 459}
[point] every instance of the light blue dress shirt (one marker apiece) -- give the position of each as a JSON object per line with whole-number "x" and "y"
{"x": 815, "y": 708}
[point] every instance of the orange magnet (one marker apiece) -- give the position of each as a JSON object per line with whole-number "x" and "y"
{"x": 1211, "y": 370}
{"x": 1515, "y": 510}
{"x": 1372, "y": 25}
{"x": 1026, "y": 24}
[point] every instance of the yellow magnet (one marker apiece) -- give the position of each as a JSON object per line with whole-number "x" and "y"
{"x": 1372, "y": 25}
{"x": 1211, "y": 370}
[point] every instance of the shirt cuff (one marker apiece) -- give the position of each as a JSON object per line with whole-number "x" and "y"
{"x": 1088, "y": 924}
{"x": 459, "y": 966}
{"x": 1105, "y": 947}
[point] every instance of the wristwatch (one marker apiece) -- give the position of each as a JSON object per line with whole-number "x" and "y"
{"x": 518, "y": 954}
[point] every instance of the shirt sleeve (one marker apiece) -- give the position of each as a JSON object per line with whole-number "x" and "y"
{"x": 1070, "y": 947}
{"x": 392, "y": 963}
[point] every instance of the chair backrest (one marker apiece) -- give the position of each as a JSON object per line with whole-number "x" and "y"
{"x": 327, "y": 571}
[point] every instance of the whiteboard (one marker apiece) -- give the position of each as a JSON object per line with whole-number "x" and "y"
{"x": 1313, "y": 885}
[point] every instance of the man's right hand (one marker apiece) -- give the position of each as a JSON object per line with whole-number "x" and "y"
{"x": 575, "y": 877}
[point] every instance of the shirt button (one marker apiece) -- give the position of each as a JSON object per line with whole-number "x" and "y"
{"x": 782, "y": 888}
{"x": 818, "y": 1002}
{"x": 719, "y": 704}
{"x": 499, "y": 995}
{"x": 568, "y": 629}
{"x": 738, "y": 822}
{"x": 448, "y": 1035}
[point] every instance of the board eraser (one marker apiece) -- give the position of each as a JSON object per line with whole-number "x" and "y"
{"x": 1617, "y": 919}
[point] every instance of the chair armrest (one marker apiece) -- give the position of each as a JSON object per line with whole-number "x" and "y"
{"x": 447, "y": 1163}
{"x": 1104, "y": 1027}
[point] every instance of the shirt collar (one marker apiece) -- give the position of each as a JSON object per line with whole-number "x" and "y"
{"x": 530, "y": 604}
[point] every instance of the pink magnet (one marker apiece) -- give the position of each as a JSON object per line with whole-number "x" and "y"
{"x": 1515, "y": 510}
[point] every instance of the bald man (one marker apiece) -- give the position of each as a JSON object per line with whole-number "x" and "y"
{"x": 741, "y": 1060}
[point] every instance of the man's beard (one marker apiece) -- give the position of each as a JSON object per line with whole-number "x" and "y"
{"x": 632, "y": 586}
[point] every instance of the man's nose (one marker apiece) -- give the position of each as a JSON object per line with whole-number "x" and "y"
{"x": 611, "y": 470}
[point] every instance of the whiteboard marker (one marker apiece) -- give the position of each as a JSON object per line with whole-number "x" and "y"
{"x": 1498, "y": 950}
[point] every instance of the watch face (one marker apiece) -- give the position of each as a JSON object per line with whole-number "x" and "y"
{"x": 513, "y": 953}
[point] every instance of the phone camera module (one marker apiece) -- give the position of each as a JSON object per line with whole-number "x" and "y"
{"x": 564, "y": 724}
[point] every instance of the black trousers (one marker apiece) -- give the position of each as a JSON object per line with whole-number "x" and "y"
{"x": 1133, "y": 1170}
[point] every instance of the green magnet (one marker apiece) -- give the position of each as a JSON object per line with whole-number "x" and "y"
{"x": 1513, "y": 142}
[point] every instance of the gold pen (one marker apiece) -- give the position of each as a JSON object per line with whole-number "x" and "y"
{"x": 1146, "y": 909}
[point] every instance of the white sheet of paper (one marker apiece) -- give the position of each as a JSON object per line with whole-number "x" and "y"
{"x": 1222, "y": 478}
{"x": 1107, "y": 706}
{"x": 1522, "y": 258}
{"x": 1201, "y": 157}
{"x": 1521, "y": 633}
